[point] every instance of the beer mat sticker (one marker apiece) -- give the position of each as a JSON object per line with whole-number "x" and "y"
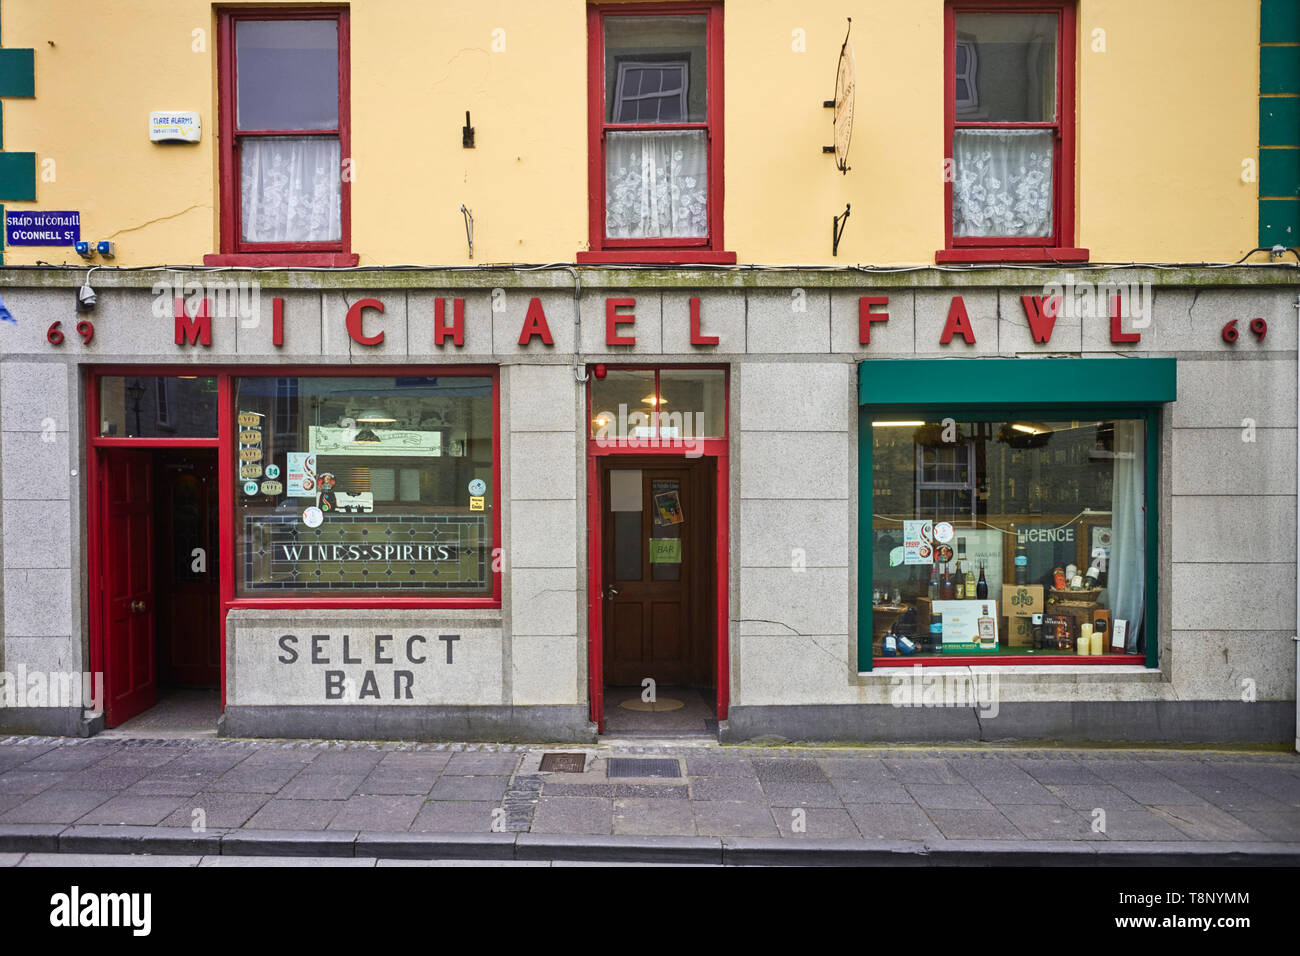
{"x": 249, "y": 458}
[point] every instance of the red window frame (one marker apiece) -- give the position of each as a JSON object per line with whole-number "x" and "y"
{"x": 1059, "y": 247}
{"x": 234, "y": 250}
{"x": 707, "y": 249}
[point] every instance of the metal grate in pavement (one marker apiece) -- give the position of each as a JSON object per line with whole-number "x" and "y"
{"x": 563, "y": 763}
{"x": 641, "y": 767}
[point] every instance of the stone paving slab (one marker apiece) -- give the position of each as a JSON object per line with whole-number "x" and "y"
{"x": 311, "y": 798}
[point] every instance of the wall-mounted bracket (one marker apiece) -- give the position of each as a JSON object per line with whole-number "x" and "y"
{"x": 837, "y": 229}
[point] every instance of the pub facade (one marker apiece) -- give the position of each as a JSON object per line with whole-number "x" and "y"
{"x": 997, "y": 459}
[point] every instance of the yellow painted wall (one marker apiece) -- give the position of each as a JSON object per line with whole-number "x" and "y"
{"x": 1167, "y": 114}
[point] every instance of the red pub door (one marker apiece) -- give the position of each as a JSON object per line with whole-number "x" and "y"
{"x": 127, "y": 584}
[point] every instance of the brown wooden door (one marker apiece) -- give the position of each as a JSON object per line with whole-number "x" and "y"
{"x": 655, "y": 539}
{"x": 130, "y": 676}
{"x": 189, "y": 619}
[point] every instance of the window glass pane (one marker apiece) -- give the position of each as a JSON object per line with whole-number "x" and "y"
{"x": 656, "y": 185}
{"x": 1005, "y": 65}
{"x": 622, "y": 405}
{"x": 291, "y": 189}
{"x": 655, "y": 69}
{"x": 1057, "y": 506}
{"x": 692, "y": 403}
{"x": 288, "y": 74}
{"x": 152, "y": 406}
{"x": 398, "y": 468}
{"x": 1002, "y": 183}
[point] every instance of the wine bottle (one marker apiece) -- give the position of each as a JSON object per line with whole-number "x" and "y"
{"x": 982, "y": 586}
{"x": 934, "y": 581}
{"x": 945, "y": 588}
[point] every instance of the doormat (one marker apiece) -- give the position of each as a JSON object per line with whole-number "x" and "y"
{"x": 655, "y": 706}
{"x": 563, "y": 763}
{"x": 641, "y": 767}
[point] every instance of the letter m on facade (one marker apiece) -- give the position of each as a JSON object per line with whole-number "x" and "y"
{"x": 196, "y": 330}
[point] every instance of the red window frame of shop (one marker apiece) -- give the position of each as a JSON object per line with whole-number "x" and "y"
{"x": 234, "y": 250}
{"x": 1059, "y": 246}
{"x": 716, "y": 448}
{"x": 225, "y": 443}
{"x": 670, "y": 251}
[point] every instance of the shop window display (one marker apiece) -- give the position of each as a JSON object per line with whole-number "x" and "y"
{"x": 1008, "y": 537}
{"x": 364, "y": 486}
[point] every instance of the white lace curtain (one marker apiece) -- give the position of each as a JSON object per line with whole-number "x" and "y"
{"x": 1126, "y": 574}
{"x": 1002, "y": 183}
{"x": 291, "y": 189}
{"x": 656, "y": 184}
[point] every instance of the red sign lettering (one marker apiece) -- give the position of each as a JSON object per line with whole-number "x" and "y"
{"x": 195, "y": 331}
{"x": 866, "y": 316}
{"x": 696, "y": 337}
{"x": 958, "y": 323}
{"x": 535, "y": 324}
{"x": 614, "y": 318}
{"x": 1041, "y": 311}
{"x": 457, "y": 328}
{"x": 354, "y": 322}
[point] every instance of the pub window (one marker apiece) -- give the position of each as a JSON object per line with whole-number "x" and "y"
{"x": 674, "y": 404}
{"x": 284, "y": 114}
{"x": 1010, "y": 131}
{"x": 656, "y": 124}
{"x": 1008, "y": 536}
{"x": 352, "y": 486}
{"x": 157, "y": 406}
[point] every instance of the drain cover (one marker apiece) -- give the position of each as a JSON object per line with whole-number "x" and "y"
{"x": 640, "y": 767}
{"x": 564, "y": 763}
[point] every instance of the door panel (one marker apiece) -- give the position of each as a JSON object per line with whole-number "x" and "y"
{"x": 653, "y": 558}
{"x": 128, "y": 600}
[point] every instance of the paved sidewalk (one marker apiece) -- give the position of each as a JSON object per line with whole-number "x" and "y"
{"x": 206, "y": 797}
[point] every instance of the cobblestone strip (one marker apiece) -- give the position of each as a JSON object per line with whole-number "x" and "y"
{"x": 520, "y": 801}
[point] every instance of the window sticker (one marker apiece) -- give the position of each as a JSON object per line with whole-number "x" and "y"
{"x": 665, "y": 550}
{"x": 668, "y": 505}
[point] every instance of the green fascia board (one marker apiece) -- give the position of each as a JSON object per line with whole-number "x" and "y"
{"x": 1279, "y": 21}
{"x": 1279, "y": 222}
{"x": 17, "y": 72}
{"x": 1279, "y": 173}
{"x": 18, "y": 177}
{"x": 1010, "y": 382}
{"x": 1279, "y": 121}
{"x": 1279, "y": 69}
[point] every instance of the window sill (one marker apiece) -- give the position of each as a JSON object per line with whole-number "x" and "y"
{"x": 977, "y": 254}
{"x": 673, "y": 257}
{"x": 307, "y": 260}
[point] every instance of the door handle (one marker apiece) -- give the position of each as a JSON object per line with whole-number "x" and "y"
{"x": 137, "y": 607}
{"x": 611, "y": 592}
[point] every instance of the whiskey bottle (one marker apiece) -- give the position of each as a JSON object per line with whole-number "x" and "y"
{"x": 987, "y": 630}
{"x": 959, "y": 585}
{"x": 1022, "y": 560}
{"x": 945, "y": 588}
